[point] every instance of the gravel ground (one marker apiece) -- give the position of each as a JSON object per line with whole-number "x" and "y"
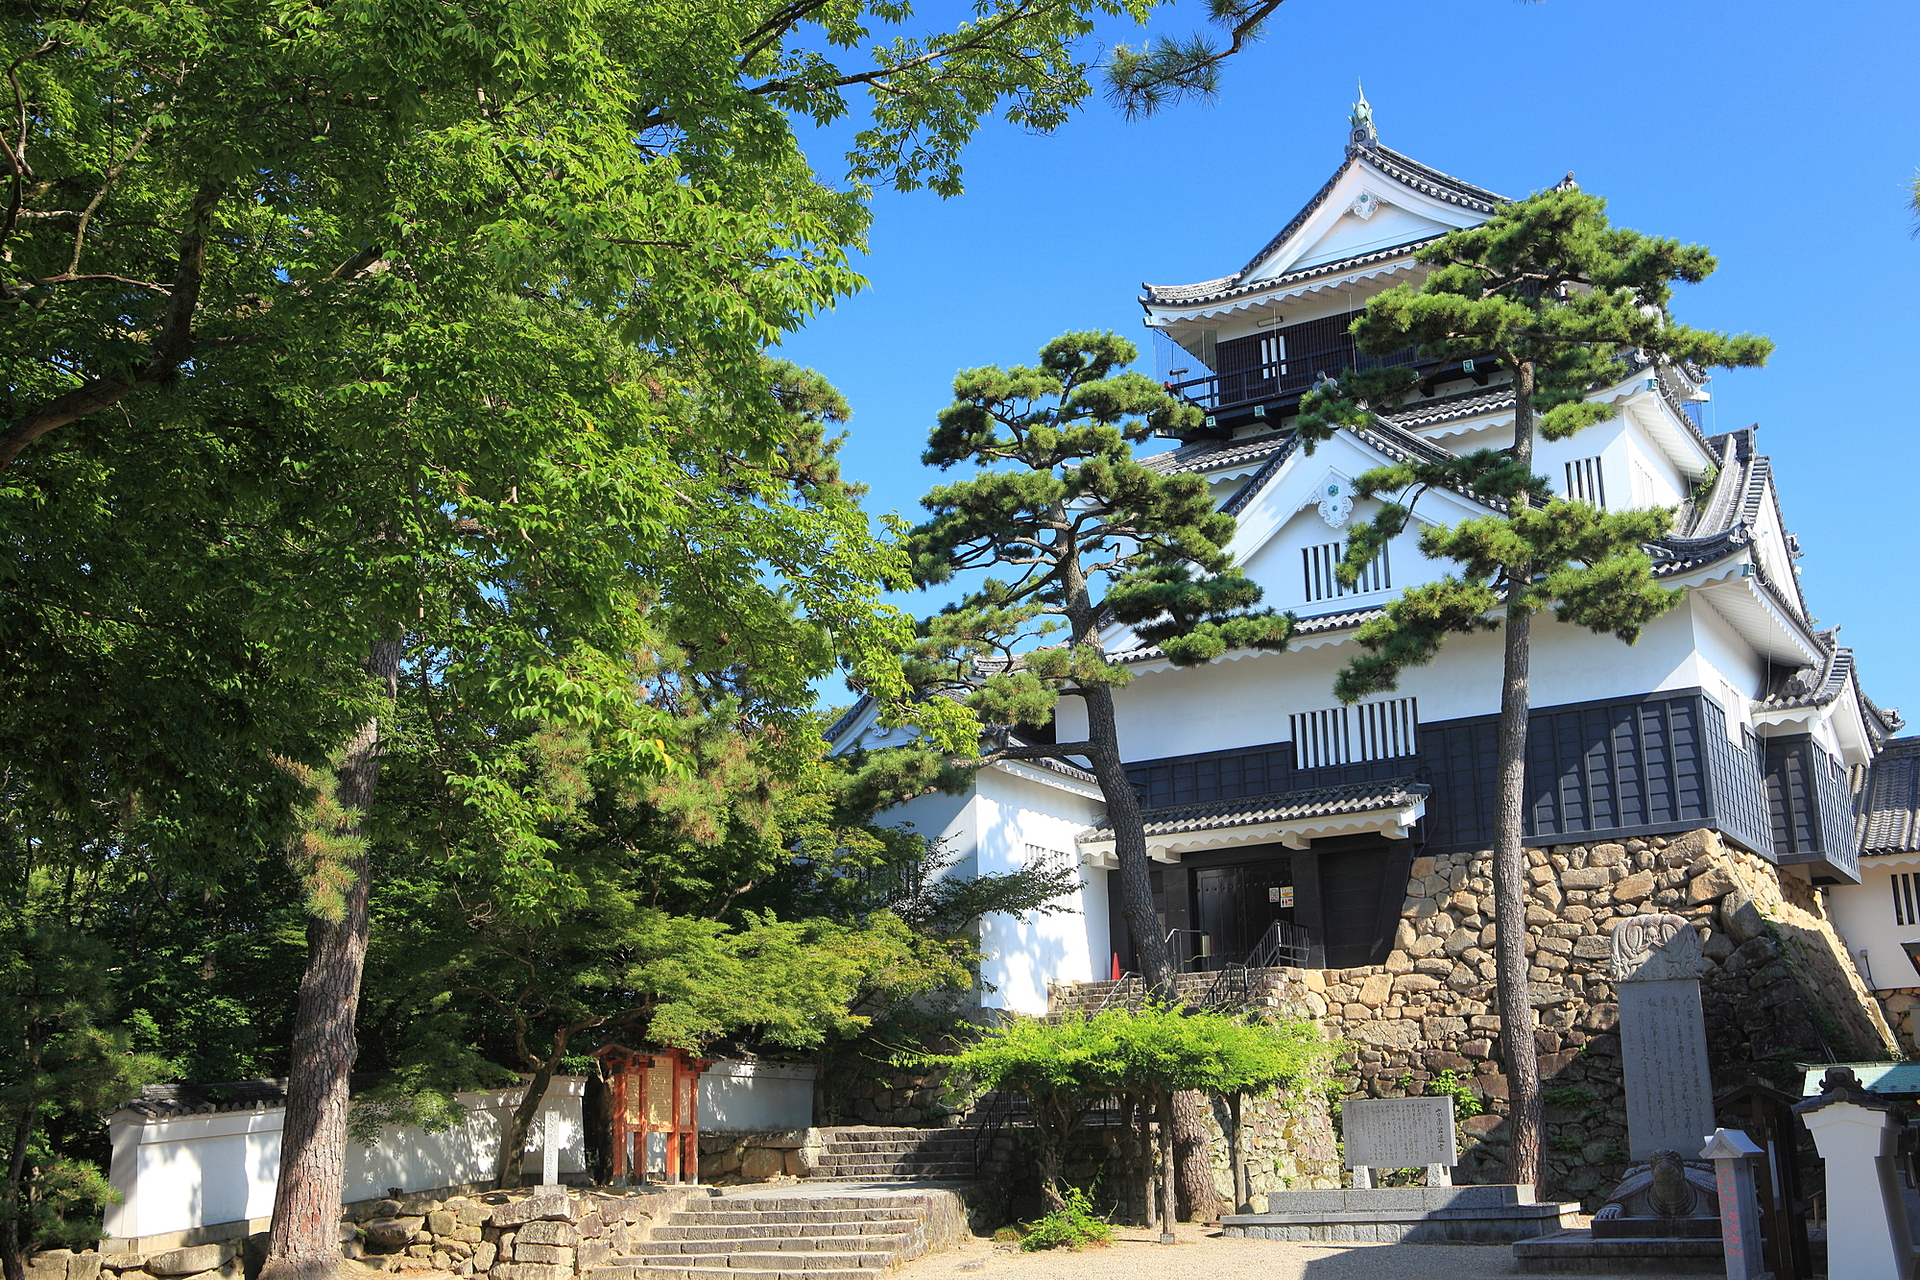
{"x": 1204, "y": 1254}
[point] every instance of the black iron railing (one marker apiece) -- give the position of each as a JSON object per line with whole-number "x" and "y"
{"x": 1284, "y": 379}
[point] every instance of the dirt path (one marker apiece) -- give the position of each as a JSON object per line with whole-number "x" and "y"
{"x": 1204, "y": 1254}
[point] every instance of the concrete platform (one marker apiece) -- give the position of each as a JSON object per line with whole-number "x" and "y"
{"x": 1499, "y": 1214}
{"x": 1579, "y": 1253}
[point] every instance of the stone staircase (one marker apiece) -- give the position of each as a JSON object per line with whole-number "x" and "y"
{"x": 864, "y": 1153}
{"x": 856, "y": 1235}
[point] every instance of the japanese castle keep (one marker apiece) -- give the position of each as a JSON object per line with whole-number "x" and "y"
{"x": 1724, "y": 768}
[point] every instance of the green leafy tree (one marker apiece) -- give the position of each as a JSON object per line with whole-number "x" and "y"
{"x": 1088, "y": 537}
{"x": 335, "y": 336}
{"x": 1144, "y": 1057}
{"x": 1564, "y": 300}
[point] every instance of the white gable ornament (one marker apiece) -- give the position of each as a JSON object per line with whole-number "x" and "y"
{"x": 1365, "y": 205}
{"x": 1335, "y": 498}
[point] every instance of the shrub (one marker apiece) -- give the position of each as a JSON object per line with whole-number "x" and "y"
{"x": 1072, "y": 1227}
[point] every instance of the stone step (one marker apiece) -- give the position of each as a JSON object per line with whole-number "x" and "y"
{"x": 780, "y": 1230}
{"x": 780, "y": 1244}
{"x": 904, "y": 1167}
{"x": 851, "y": 1202}
{"x": 922, "y": 1154}
{"x": 727, "y": 1273}
{"x": 892, "y": 1177}
{"x": 773, "y": 1261}
{"x": 942, "y": 1138}
{"x": 791, "y": 1216}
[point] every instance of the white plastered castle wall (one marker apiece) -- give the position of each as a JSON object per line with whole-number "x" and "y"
{"x": 1865, "y": 916}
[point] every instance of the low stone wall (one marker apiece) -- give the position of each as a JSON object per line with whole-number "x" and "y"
{"x": 1900, "y": 1005}
{"x": 732, "y": 1159}
{"x": 1290, "y": 1145}
{"x": 1779, "y": 988}
{"x": 505, "y": 1235}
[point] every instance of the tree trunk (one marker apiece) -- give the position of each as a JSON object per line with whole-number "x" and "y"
{"x": 1199, "y": 1200}
{"x": 1129, "y": 844}
{"x": 304, "y": 1243}
{"x": 1525, "y": 1120}
{"x": 1169, "y": 1208}
{"x": 513, "y": 1143}
{"x": 13, "y": 1253}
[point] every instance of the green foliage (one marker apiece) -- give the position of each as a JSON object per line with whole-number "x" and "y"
{"x": 1083, "y": 530}
{"x": 1568, "y": 1096}
{"x": 1448, "y": 1083}
{"x": 64, "y": 1063}
{"x": 1072, "y": 1226}
{"x": 1563, "y": 299}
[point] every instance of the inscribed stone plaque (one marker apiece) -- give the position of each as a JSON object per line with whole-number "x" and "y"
{"x": 1655, "y": 948}
{"x": 1663, "y": 1049}
{"x": 1398, "y": 1133}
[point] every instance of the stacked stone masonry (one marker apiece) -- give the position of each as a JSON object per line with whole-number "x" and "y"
{"x": 1779, "y": 989}
{"x": 606, "y": 1233}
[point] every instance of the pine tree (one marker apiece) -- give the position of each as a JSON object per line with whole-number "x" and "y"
{"x": 1566, "y": 303}
{"x": 1092, "y": 538}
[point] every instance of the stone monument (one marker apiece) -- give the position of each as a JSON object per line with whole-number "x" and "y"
{"x": 1663, "y": 1035}
{"x": 1399, "y": 1133}
{"x": 1402, "y": 1133}
{"x": 1665, "y": 1215}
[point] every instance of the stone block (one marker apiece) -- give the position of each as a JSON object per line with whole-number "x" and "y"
{"x": 84, "y": 1266}
{"x": 532, "y": 1271}
{"x": 484, "y": 1254}
{"x": 1375, "y": 989}
{"x": 473, "y": 1214}
{"x": 593, "y": 1253}
{"x": 49, "y": 1264}
{"x": 1592, "y": 947}
{"x": 1634, "y": 888}
{"x": 193, "y": 1259}
{"x": 534, "y": 1208}
{"x": 1740, "y": 918}
{"x": 1542, "y": 995}
{"x": 1586, "y": 878}
{"x": 1440, "y": 1028}
{"x": 556, "y": 1255}
{"x": 545, "y": 1232}
{"x": 1387, "y": 1033}
{"x": 760, "y": 1164}
{"x": 1481, "y": 1126}
{"x": 441, "y": 1223}
{"x": 1416, "y": 982}
{"x": 1491, "y": 1086}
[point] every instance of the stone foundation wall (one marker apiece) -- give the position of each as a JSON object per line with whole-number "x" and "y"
{"x": 733, "y": 1159}
{"x": 1290, "y": 1145}
{"x": 1780, "y": 988}
{"x": 871, "y": 1093}
{"x": 1900, "y": 1005}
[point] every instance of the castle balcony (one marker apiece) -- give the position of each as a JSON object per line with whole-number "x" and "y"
{"x": 1270, "y": 388}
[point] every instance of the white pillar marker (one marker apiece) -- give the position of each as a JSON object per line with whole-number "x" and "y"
{"x": 1732, "y": 1153}
{"x": 549, "y": 1151}
{"x": 1858, "y": 1134}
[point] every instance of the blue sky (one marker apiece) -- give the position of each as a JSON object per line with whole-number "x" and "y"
{"x": 1782, "y": 137}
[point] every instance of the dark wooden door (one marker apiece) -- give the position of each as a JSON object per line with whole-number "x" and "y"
{"x": 1234, "y": 905}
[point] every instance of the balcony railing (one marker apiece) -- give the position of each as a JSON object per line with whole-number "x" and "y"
{"x": 1283, "y": 381}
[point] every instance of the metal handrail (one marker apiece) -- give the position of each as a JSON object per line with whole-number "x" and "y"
{"x": 1285, "y": 377}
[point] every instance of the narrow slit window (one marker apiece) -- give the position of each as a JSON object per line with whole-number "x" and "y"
{"x": 1585, "y": 482}
{"x": 1320, "y": 565}
{"x": 1349, "y": 735}
{"x": 1903, "y": 900}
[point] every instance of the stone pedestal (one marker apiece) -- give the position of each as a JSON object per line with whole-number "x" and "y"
{"x": 1497, "y": 1214}
{"x": 1858, "y": 1134}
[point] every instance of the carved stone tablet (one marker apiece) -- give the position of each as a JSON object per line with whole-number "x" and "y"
{"x": 1663, "y": 1047}
{"x": 1656, "y": 949}
{"x": 1398, "y": 1133}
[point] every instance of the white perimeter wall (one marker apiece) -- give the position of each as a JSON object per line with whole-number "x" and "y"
{"x": 180, "y": 1173}
{"x": 756, "y": 1097}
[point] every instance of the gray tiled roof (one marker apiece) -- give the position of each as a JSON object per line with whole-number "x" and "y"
{"x": 162, "y": 1100}
{"x": 1461, "y": 404}
{"x": 1403, "y": 169}
{"x": 1317, "y": 625}
{"x": 1249, "y": 811}
{"x": 1212, "y": 455}
{"x": 1890, "y": 818}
